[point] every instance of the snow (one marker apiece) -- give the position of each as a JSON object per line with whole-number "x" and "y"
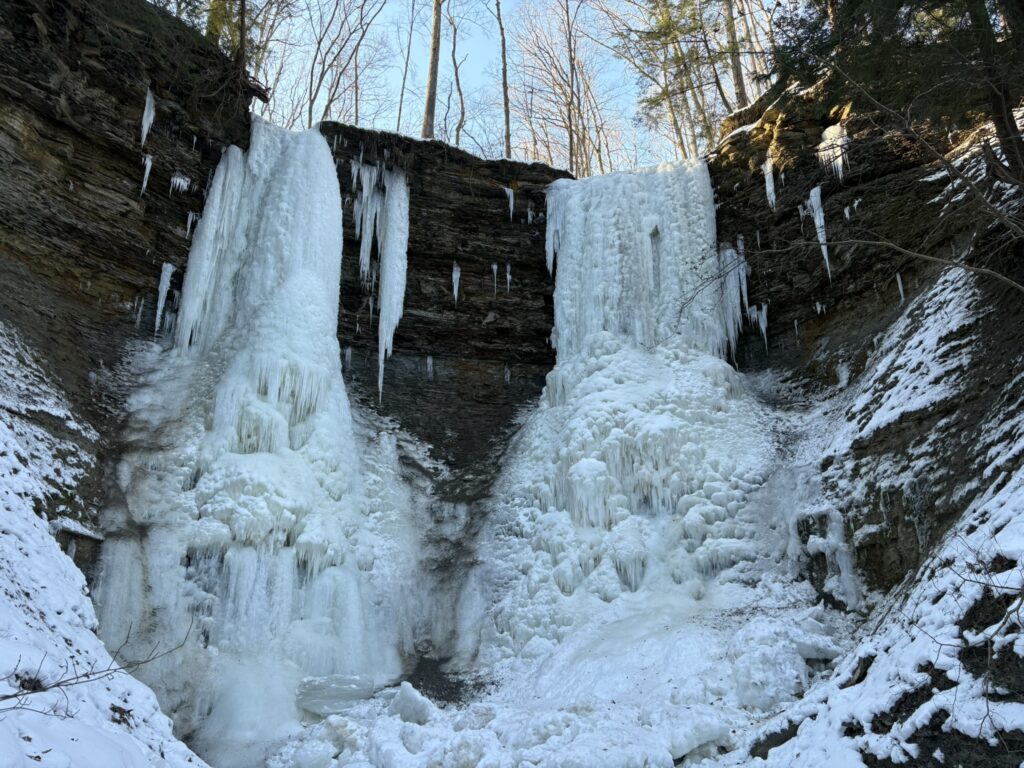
{"x": 46, "y": 619}
{"x": 769, "y": 181}
{"x": 832, "y": 151}
{"x": 818, "y": 213}
{"x": 148, "y": 115}
{"x": 165, "y": 283}
{"x": 916, "y": 637}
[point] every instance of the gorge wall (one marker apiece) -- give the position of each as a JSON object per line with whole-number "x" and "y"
{"x": 84, "y": 246}
{"x": 82, "y": 249}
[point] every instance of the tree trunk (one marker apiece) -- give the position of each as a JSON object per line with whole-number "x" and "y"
{"x": 504, "y": 81}
{"x": 458, "y": 82}
{"x": 735, "y": 60}
{"x": 572, "y": 84}
{"x": 405, "y": 67}
{"x": 1001, "y": 100}
{"x": 435, "y": 53}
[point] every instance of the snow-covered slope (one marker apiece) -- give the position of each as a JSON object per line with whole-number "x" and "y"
{"x": 63, "y": 700}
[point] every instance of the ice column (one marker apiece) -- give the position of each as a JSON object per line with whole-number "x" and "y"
{"x": 818, "y": 213}
{"x": 511, "y": 195}
{"x": 165, "y": 283}
{"x": 382, "y": 211}
{"x": 659, "y": 280}
{"x": 832, "y": 150}
{"x": 769, "y": 181}
{"x": 249, "y": 523}
{"x": 148, "y": 114}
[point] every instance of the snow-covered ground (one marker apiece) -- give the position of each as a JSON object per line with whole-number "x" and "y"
{"x": 63, "y": 700}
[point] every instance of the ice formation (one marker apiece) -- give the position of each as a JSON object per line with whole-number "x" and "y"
{"x": 193, "y": 217}
{"x": 180, "y": 183}
{"x": 147, "y": 163}
{"x": 456, "y": 272}
{"x": 148, "y": 114}
{"x": 430, "y": 368}
{"x": 899, "y": 285}
{"x": 769, "y": 181}
{"x": 511, "y": 195}
{"x": 494, "y": 274}
{"x": 508, "y": 277}
{"x": 47, "y": 622}
{"x": 248, "y": 535}
{"x": 165, "y": 283}
{"x": 818, "y": 214}
{"x": 832, "y": 150}
{"x": 382, "y": 212}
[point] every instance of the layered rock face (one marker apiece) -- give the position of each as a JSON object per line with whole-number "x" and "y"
{"x": 463, "y": 367}
{"x": 911, "y": 369}
{"x": 82, "y": 246}
{"x": 826, "y": 322}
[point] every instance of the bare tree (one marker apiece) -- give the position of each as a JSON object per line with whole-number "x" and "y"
{"x": 413, "y": 13}
{"x": 453, "y": 23}
{"x": 504, "y": 79}
{"x": 427, "y": 131}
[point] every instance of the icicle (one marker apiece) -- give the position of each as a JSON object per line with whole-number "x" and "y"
{"x": 856, "y": 205}
{"x": 819, "y": 308}
{"x": 147, "y": 161}
{"x": 393, "y": 234}
{"x": 348, "y": 357}
{"x": 818, "y": 212}
{"x": 759, "y": 317}
{"x": 165, "y": 283}
{"x": 508, "y": 277}
{"x": 193, "y": 142}
{"x": 511, "y": 195}
{"x": 832, "y": 150}
{"x": 508, "y": 375}
{"x": 430, "y": 367}
{"x": 193, "y": 217}
{"x": 899, "y": 284}
{"x": 782, "y": 178}
{"x": 180, "y": 183}
{"x": 529, "y": 213}
{"x": 494, "y": 272}
{"x": 455, "y": 280}
{"x": 846, "y": 213}
{"x": 796, "y": 330}
{"x": 148, "y": 113}
{"x": 758, "y": 234}
{"x": 366, "y": 212}
{"x": 138, "y": 313}
{"x": 769, "y": 181}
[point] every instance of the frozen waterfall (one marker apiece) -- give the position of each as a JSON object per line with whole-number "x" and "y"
{"x": 245, "y": 530}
